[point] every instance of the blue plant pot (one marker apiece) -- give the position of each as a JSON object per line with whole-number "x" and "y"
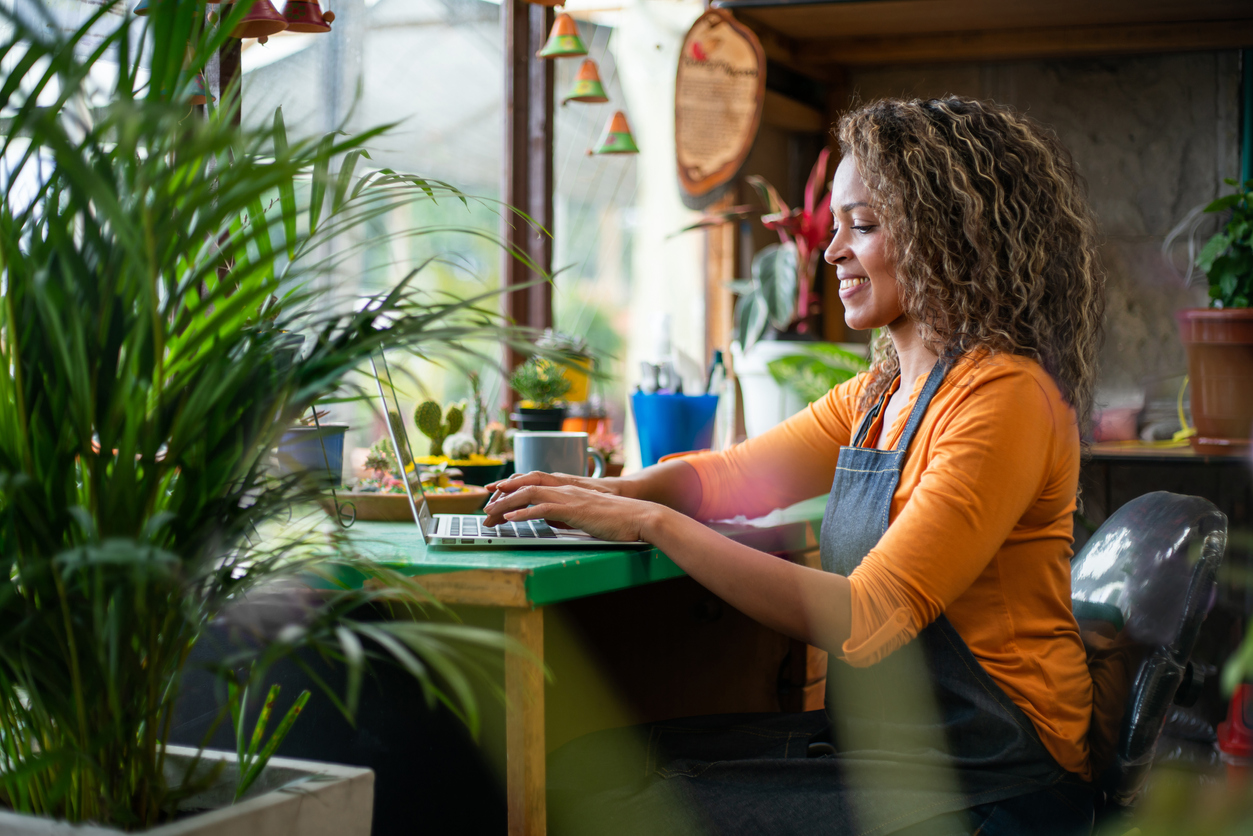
{"x": 301, "y": 451}
{"x": 673, "y": 423}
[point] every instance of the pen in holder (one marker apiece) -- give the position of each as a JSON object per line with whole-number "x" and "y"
{"x": 673, "y": 423}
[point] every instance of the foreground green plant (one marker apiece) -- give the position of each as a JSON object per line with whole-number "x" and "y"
{"x": 154, "y": 268}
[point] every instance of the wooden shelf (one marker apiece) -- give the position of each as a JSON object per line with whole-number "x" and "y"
{"x": 818, "y": 36}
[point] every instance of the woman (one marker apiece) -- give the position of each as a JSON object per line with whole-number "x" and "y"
{"x": 958, "y": 694}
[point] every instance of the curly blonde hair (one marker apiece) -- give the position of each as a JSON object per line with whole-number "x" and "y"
{"x": 992, "y": 237}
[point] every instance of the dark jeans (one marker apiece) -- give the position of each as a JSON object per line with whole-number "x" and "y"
{"x": 751, "y": 774}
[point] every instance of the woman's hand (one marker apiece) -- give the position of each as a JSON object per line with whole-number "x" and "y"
{"x": 538, "y": 477}
{"x": 586, "y": 504}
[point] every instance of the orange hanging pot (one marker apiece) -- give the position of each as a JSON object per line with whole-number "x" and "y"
{"x": 1220, "y": 369}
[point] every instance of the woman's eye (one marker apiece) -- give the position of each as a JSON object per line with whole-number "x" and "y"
{"x": 864, "y": 228}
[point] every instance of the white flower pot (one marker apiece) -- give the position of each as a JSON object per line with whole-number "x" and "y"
{"x": 766, "y": 403}
{"x": 290, "y": 798}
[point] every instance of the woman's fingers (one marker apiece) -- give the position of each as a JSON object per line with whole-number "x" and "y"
{"x": 518, "y": 480}
{"x": 506, "y": 500}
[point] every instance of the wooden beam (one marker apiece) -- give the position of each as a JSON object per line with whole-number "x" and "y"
{"x": 720, "y": 268}
{"x": 528, "y": 164}
{"x": 1016, "y": 44}
{"x": 524, "y": 724}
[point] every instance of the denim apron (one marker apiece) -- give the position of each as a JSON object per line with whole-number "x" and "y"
{"x": 929, "y": 728}
{"x": 922, "y": 742}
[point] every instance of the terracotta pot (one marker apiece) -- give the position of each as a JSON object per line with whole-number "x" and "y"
{"x": 1220, "y": 367}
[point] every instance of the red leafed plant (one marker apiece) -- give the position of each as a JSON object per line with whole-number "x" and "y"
{"x": 780, "y": 293}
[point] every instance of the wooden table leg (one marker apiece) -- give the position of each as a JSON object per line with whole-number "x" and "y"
{"x": 524, "y": 724}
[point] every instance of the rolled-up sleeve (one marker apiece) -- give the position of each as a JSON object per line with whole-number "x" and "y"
{"x": 989, "y": 460}
{"x": 791, "y": 462}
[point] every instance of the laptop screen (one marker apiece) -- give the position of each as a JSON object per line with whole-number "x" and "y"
{"x": 400, "y": 443}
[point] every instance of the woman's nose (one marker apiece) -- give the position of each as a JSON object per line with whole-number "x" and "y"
{"x": 836, "y": 251}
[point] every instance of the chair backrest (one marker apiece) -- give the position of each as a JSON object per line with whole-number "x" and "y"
{"x": 1140, "y": 589}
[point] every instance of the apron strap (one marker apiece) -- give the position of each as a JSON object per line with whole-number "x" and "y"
{"x": 859, "y": 437}
{"x": 934, "y": 379}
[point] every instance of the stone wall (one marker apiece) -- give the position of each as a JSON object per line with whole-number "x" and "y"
{"x": 1153, "y": 136}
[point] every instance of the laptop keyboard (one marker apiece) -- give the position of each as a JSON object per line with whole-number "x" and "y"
{"x": 471, "y": 526}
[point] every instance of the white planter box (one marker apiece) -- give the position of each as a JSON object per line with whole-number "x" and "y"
{"x": 290, "y": 798}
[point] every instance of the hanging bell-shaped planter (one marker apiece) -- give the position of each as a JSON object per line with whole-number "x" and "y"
{"x": 547, "y": 2}
{"x": 587, "y": 87}
{"x": 199, "y": 91}
{"x": 261, "y": 21}
{"x": 142, "y": 8}
{"x": 307, "y": 16}
{"x": 617, "y": 137}
{"x": 564, "y": 40}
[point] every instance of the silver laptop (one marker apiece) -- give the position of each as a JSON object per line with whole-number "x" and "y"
{"x": 467, "y": 530}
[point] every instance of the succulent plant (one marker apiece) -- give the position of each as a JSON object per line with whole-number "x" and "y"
{"x": 437, "y": 424}
{"x": 380, "y": 458}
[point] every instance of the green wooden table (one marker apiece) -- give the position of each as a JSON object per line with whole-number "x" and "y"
{"x": 522, "y": 583}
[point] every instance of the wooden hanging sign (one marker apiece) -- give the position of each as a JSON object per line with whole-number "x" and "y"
{"x": 719, "y": 92}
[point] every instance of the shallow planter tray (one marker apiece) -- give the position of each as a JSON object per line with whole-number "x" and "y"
{"x": 394, "y": 507}
{"x": 290, "y": 798}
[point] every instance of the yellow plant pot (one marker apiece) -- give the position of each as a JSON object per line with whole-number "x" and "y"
{"x": 580, "y": 379}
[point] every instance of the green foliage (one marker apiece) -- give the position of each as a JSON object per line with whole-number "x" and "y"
{"x": 768, "y": 299}
{"x": 250, "y": 760}
{"x": 150, "y": 286}
{"x": 540, "y": 381}
{"x": 1227, "y": 258}
{"x": 816, "y": 369}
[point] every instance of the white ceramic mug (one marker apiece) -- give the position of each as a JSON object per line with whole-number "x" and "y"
{"x": 555, "y": 452}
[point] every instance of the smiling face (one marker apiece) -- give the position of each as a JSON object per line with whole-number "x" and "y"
{"x": 861, "y": 254}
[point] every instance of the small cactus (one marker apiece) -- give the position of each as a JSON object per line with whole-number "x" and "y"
{"x": 460, "y": 446}
{"x": 496, "y": 441}
{"x": 454, "y": 417}
{"x": 437, "y": 424}
{"x": 478, "y": 413}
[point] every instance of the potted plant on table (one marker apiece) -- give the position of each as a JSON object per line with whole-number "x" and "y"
{"x": 578, "y": 358}
{"x": 540, "y": 383}
{"x": 154, "y": 265}
{"x": 474, "y": 454}
{"x": 1219, "y": 339}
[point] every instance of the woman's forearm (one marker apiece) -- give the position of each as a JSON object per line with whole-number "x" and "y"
{"x": 674, "y": 484}
{"x": 803, "y": 603}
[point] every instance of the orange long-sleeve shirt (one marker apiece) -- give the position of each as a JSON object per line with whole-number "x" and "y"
{"x": 980, "y": 528}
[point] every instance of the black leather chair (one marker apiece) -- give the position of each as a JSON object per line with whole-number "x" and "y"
{"x": 1140, "y": 589}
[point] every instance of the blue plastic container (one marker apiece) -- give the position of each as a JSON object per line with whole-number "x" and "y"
{"x": 300, "y": 451}
{"x": 673, "y": 423}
